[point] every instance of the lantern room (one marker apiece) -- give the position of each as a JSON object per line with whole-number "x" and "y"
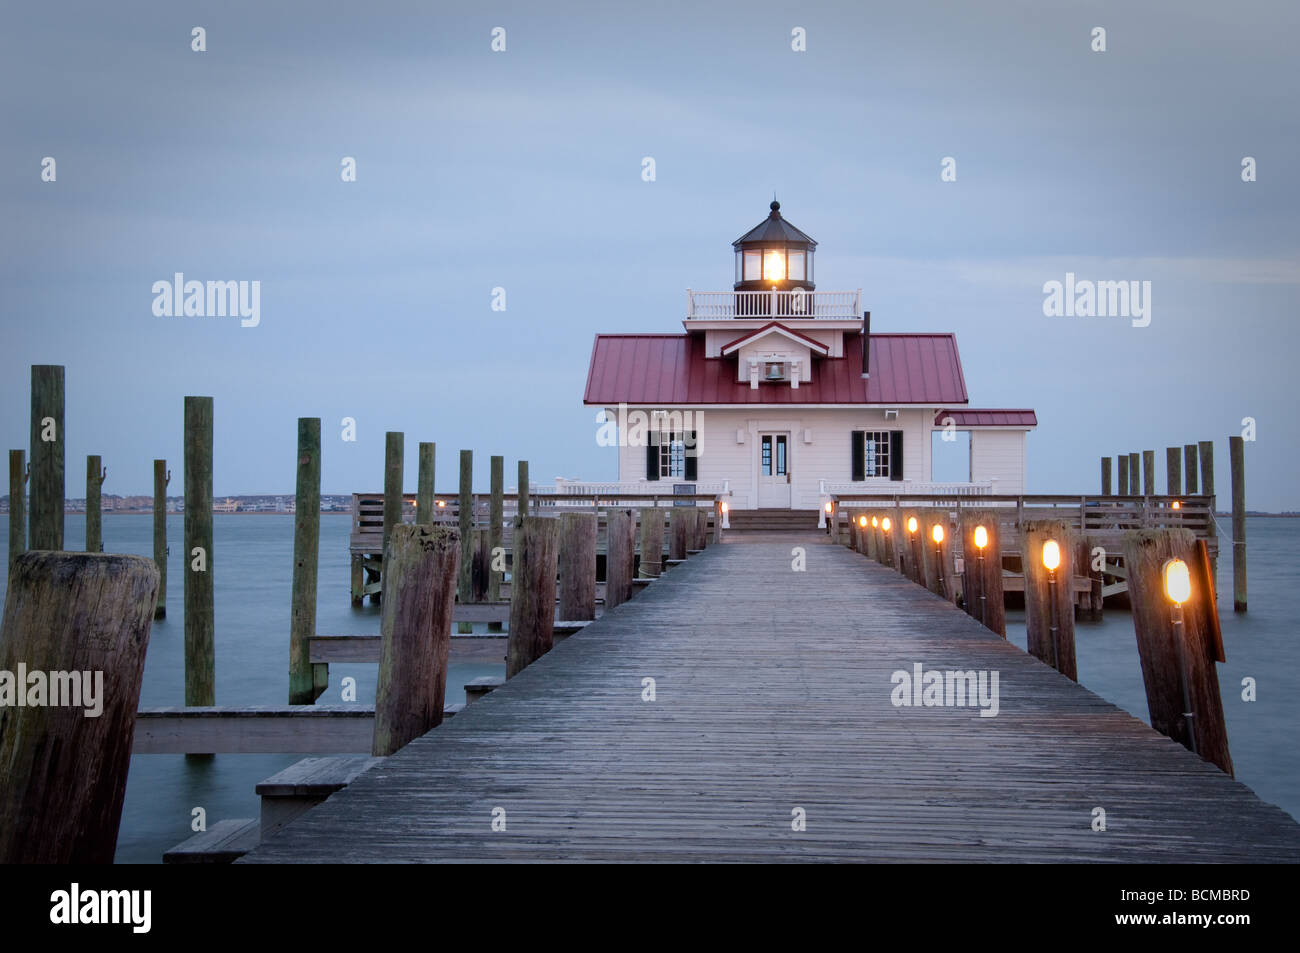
{"x": 774, "y": 254}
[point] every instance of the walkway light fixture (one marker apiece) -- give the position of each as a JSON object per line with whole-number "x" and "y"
{"x": 982, "y": 540}
{"x": 885, "y": 524}
{"x": 1052, "y": 560}
{"x": 862, "y": 521}
{"x": 1178, "y": 589}
{"x": 937, "y": 533}
{"x": 911, "y": 524}
{"x": 875, "y": 521}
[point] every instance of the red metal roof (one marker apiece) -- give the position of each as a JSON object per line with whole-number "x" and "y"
{"x": 668, "y": 369}
{"x": 976, "y": 417}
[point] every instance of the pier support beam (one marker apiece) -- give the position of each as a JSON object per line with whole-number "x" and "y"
{"x": 420, "y": 572}
{"x": 1049, "y": 599}
{"x": 161, "y": 477}
{"x": 17, "y": 504}
{"x": 522, "y": 497}
{"x": 496, "y": 530}
{"x": 1206, "y": 454}
{"x": 47, "y": 448}
{"x": 652, "y": 542}
{"x": 1174, "y": 471}
{"x": 1178, "y": 646}
{"x": 1237, "y": 459}
{"x": 1189, "y": 468}
{"x": 200, "y": 622}
{"x": 1105, "y": 477}
{"x": 306, "y": 680}
{"x": 95, "y": 477}
{"x": 1148, "y": 473}
{"x": 620, "y": 555}
{"x": 678, "y": 533}
{"x": 532, "y": 592}
{"x": 983, "y": 570}
{"x": 424, "y": 483}
{"x": 577, "y": 561}
{"x": 1121, "y": 464}
{"x": 65, "y": 773}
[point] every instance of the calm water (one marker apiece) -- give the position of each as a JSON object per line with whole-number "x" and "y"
{"x": 253, "y": 566}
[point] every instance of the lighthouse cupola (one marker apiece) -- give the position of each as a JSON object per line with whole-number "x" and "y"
{"x": 774, "y": 254}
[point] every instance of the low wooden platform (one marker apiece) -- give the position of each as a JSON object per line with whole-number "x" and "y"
{"x": 773, "y": 697}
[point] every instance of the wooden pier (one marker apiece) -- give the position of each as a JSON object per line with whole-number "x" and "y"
{"x": 772, "y": 736}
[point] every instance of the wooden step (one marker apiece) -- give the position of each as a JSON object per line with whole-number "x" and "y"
{"x": 481, "y": 686}
{"x": 222, "y": 843}
{"x": 304, "y": 784}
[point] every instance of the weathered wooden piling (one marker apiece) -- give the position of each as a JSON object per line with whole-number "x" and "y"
{"x": 652, "y": 542}
{"x": 496, "y": 530}
{"x": 95, "y": 477}
{"x": 1105, "y": 477}
{"x": 1178, "y": 646}
{"x": 419, "y": 581}
{"x": 306, "y": 681}
{"x": 532, "y": 592}
{"x": 1174, "y": 471}
{"x": 200, "y": 622}
{"x": 80, "y": 620}
{"x": 678, "y": 533}
{"x": 1135, "y": 474}
{"x": 699, "y": 529}
{"x": 577, "y": 563}
{"x": 717, "y": 520}
{"x": 46, "y": 452}
{"x": 1148, "y": 473}
{"x": 620, "y": 556}
{"x": 1121, "y": 465}
{"x": 17, "y": 504}
{"x": 936, "y": 575}
{"x": 481, "y": 570}
{"x": 1237, "y": 461}
{"x": 161, "y": 477}
{"x": 915, "y": 547}
{"x": 394, "y": 471}
{"x": 1189, "y": 468}
{"x": 1205, "y": 450}
{"x": 1083, "y": 566}
{"x": 466, "y": 513}
{"x": 982, "y": 567}
{"x": 1049, "y": 599}
{"x": 522, "y": 496}
{"x": 425, "y": 505}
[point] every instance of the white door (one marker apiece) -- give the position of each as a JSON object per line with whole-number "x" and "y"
{"x": 774, "y": 470}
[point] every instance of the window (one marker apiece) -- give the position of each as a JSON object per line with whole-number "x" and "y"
{"x": 796, "y": 266}
{"x": 753, "y": 266}
{"x": 774, "y": 265}
{"x": 672, "y": 455}
{"x": 877, "y": 454}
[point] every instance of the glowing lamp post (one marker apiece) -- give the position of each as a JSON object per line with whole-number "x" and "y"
{"x": 874, "y": 522}
{"x": 828, "y": 510}
{"x": 1051, "y": 560}
{"x": 884, "y": 524}
{"x": 911, "y": 524}
{"x": 937, "y": 535}
{"x": 862, "y": 522}
{"x": 1178, "y": 589}
{"x": 981, "y": 540}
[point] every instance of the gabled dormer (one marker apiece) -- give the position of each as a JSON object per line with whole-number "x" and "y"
{"x": 774, "y": 354}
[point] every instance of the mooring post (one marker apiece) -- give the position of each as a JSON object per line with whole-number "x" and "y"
{"x": 161, "y": 477}
{"x": 1189, "y": 468}
{"x": 522, "y": 498}
{"x": 678, "y": 534}
{"x": 95, "y": 477}
{"x": 1148, "y": 473}
{"x": 1121, "y": 465}
{"x": 420, "y": 573}
{"x": 1206, "y": 452}
{"x": 496, "y": 532}
{"x": 394, "y": 469}
{"x": 65, "y": 766}
{"x": 1174, "y": 471}
{"x": 200, "y": 622}
{"x": 1105, "y": 477}
{"x": 652, "y": 542}
{"x": 1135, "y": 474}
{"x": 620, "y": 555}
{"x": 532, "y": 592}
{"x": 46, "y": 453}
{"x": 1178, "y": 644}
{"x": 577, "y": 562}
{"x": 931, "y": 562}
{"x": 17, "y": 504}
{"x": 306, "y": 680}
{"x": 915, "y": 546}
{"x": 718, "y": 519}
{"x": 983, "y": 565}
{"x": 466, "y": 513}
{"x": 1237, "y": 461}
{"x": 480, "y": 571}
{"x": 424, "y": 484}
{"x": 1047, "y": 551}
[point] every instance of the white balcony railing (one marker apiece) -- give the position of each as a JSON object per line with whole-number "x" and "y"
{"x": 796, "y": 304}
{"x": 890, "y": 487}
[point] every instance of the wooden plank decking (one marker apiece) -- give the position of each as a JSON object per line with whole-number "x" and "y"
{"x": 773, "y": 693}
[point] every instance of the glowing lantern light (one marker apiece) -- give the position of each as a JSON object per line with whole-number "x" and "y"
{"x": 981, "y": 537}
{"x": 1051, "y": 554}
{"x": 1178, "y": 581}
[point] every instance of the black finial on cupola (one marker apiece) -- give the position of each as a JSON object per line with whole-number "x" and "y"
{"x": 774, "y": 254}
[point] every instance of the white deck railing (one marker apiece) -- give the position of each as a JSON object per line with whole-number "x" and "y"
{"x": 648, "y": 488}
{"x": 890, "y": 487}
{"x": 797, "y": 304}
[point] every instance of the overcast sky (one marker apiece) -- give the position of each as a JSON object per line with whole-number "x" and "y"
{"x": 522, "y": 169}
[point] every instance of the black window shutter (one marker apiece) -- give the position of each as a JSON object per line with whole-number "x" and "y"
{"x": 896, "y": 455}
{"x": 858, "y": 451}
{"x": 652, "y": 456}
{"x": 692, "y": 462}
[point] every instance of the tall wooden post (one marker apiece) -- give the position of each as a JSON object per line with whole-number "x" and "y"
{"x": 678, "y": 536}
{"x": 915, "y": 547}
{"x": 496, "y": 530}
{"x": 1049, "y": 599}
{"x": 1148, "y": 473}
{"x": 200, "y": 622}
{"x": 577, "y": 562}
{"x": 394, "y": 469}
{"x": 1105, "y": 476}
{"x": 306, "y": 681}
{"x": 17, "y": 504}
{"x": 47, "y": 448}
{"x": 1178, "y": 646}
{"x": 523, "y": 488}
{"x": 1135, "y": 474}
{"x": 95, "y": 477}
{"x": 420, "y": 571}
{"x": 65, "y": 766}
{"x": 480, "y": 571}
{"x": 161, "y": 477}
{"x": 1237, "y": 460}
{"x": 425, "y": 506}
{"x": 1174, "y": 471}
{"x": 1206, "y": 453}
{"x": 652, "y": 541}
{"x": 532, "y": 592}
{"x": 1121, "y": 465}
{"x": 983, "y": 570}
{"x": 466, "y": 514}
{"x": 1189, "y": 468}
{"x": 620, "y": 556}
